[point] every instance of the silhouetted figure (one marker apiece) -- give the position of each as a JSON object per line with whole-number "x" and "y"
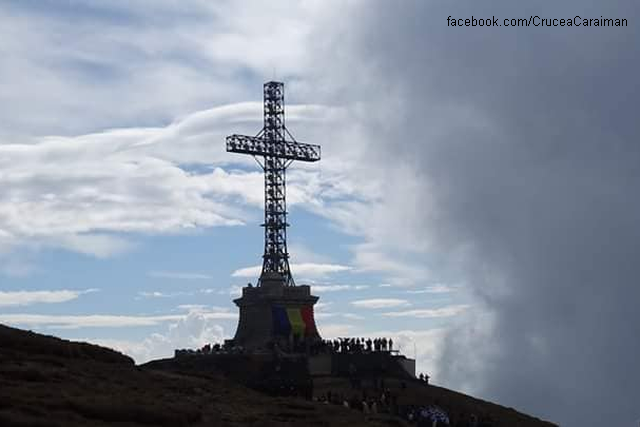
{"x": 352, "y": 374}
{"x": 486, "y": 421}
{"x": 390, "y": 344}
{"x": 421, "y": 376}
{"x": 365, "y": 407}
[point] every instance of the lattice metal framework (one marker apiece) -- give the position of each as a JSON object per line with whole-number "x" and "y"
{"x": 277, "y": 153}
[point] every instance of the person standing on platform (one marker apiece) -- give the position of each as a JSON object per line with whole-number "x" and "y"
{"x": 365, "y": 407}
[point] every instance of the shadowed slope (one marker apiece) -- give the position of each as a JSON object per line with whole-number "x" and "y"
{"x": 45, "y": 381}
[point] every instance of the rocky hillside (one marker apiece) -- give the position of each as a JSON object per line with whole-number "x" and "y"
{"x": 46, "y": 381}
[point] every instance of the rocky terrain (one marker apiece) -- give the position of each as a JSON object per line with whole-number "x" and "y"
{"x": 46, "y": 381}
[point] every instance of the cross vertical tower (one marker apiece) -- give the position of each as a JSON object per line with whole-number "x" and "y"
{"x": 276, "y": 255}
{"x": 277, "y": 154}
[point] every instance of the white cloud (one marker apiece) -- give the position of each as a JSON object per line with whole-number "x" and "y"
{"x": 452, "y": 310}
{"x": 21, "y": 298}
{"x": 335, "y": 330}
{"x": 131, "y": 181}
{"x": 193, "y": 307}
{"x": 435, "y": 289}
{"x": 179, "y": 275}
{"x": 325, "y": 315}
{"x": 353, "y": 316}
{"x": 425, "y": 346}
{"x": 146, "y": 73}
{"x": 191, "y": 331}
{"x": 157, "y": 294}
{"x": 248, "y": 272}
{"x": 322, "y": 306}
{"x": 376, "y": 257}
{"x": 304, "y": 254}
{"x": 303, "y": 269}
{"x": 95, "y": 244}
{"x": 94, "y": 187}
{"x": 329, "y": 314}
{"x": 380, "y": 303}
{"x": 219, "y": 314}
{"x": 204, "y": 309}
{"x": 235, "y": 291}
{"x": 84, "y": 321}
{"x": 102, "y": 321}
{"x": 335, "y": 288}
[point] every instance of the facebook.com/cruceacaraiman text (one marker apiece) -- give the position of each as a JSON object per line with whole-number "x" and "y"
{"x": 536, "y": 21}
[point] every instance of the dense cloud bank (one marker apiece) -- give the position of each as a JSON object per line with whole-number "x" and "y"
{"x": 524, "y": 144}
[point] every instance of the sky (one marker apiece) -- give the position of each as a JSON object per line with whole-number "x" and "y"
{"x": 476, "y": 199}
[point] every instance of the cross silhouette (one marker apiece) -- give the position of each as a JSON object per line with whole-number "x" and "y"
{"x": 277, "y": 152}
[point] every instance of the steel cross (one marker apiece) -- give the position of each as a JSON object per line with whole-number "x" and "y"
{"x": 278, "y": 153}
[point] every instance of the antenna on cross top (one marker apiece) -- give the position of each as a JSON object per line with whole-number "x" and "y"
{"x": 278, "y": 150}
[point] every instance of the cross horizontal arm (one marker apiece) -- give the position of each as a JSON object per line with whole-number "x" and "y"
{"x": 259, "y": 146}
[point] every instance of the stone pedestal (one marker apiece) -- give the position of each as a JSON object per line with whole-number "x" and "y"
{"x": 262, "y": 308}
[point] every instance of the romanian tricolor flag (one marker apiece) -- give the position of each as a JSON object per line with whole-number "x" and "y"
{"x": 296, "y": 321}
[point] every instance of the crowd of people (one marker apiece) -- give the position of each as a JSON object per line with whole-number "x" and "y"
{"x": 429, "y": 415}
{"x": 304, "y": 345}
{"x": 437, "y": 414}
{"x": 358, "y": 345}
{"x": 375, "y": 396}
{"x": 424, "y": 378}
{"x": 312, "y": 346}
{"x": 207, "y": 349}
{"x": 370, "y": 400}
{"x": 379, "y": 401}
{"x": 386, "y": 402}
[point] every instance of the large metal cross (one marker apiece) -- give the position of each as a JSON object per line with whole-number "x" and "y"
{"x": 278, "y": 152}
